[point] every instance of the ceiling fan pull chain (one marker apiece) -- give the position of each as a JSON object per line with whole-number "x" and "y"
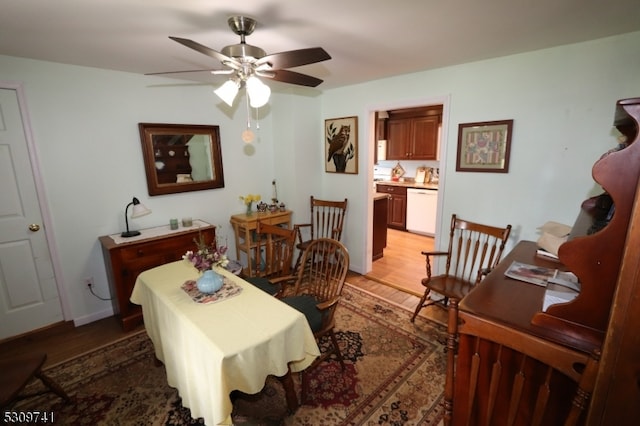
{"x": 248, "y": 112}
{"x": 247, "y": 135}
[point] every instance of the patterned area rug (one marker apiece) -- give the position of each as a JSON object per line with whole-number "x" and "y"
{"x": 394, "y": 375}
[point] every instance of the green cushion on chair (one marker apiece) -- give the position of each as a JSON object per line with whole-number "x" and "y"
{"x": 263, "y": 284}
{"x": 307, "y": 305}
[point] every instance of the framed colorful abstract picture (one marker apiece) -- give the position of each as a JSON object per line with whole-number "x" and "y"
{"x": 484, "y": 146}
{"x": 341, "y": 145}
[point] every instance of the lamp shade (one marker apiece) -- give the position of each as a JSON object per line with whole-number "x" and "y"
{"x": 137, "y": 211}
{"x": 228, "y": 91}
{"x": 258, "y": 92}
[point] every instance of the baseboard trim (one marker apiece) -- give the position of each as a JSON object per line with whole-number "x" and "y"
{"x": 93, "y": 317}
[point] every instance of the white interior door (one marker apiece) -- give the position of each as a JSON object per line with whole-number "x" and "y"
{"x": 28, "y": 292}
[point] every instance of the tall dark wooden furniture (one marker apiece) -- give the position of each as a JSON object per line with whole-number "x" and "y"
{"x": 617, "y": 391}
{"x": 125, "y": 261}
{"x": 518, "y": 365}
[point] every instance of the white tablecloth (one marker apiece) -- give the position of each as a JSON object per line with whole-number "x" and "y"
{"x": 210, "y": 350}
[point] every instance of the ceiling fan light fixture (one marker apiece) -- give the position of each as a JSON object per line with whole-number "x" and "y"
{"x": 259, "y": 92}
{"x": 228, "y": 91}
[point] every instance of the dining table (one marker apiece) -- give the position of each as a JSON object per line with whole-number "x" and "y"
{"x": 213, "y": 344}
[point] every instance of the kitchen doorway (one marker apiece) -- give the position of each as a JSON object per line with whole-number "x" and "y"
{"x": 402, "y": 265}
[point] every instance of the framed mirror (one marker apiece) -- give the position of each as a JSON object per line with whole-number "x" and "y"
{"x": 181, "y": 157}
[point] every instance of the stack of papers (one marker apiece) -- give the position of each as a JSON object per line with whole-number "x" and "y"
{"x": 560, "y": 287}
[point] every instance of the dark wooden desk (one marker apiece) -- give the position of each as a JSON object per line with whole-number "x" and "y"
{"x": 502, "y": 369}
{"x": 516, "y": 303}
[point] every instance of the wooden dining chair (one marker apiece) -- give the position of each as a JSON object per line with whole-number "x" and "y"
{"x": 474, "y": 250}
{"x": 274, "y": 252}
{"x": 315, "y": 291}
{"x": 18, "y": 372}
{"x": 326, "y": 221}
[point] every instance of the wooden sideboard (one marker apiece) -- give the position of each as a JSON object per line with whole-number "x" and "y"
{"x": 617, "y": 390}
{"x": 578, "y": 362}
{"x": 509, "y": 371}
{"x": 126, "y": 259}
{"x": 244, "y": 227}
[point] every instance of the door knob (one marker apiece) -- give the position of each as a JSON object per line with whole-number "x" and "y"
{"x": 34, "y": 227}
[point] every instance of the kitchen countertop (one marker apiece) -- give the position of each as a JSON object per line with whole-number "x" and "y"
{"x": 409, "y": 184}
{"x": 380, "y": 195}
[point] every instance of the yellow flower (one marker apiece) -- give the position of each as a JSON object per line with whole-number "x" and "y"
{"x": 250, "y": 198}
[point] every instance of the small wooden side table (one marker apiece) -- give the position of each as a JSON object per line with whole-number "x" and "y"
{"x": 244, "y": 227}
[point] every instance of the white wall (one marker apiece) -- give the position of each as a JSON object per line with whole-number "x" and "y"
{"x": 85, "y": 129}
{"x": 562, "y": 102}
{"x": 85, "y": 126}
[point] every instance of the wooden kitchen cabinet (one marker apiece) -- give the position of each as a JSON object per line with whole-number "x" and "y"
{"x": 398, "y": 132}
{"x": 380, "y": 213}
{"x": 397, "y": 210}
{"x": 413, "y": 135}
{"x": 125, "y": 260}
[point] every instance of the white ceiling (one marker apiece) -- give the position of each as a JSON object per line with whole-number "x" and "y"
{"x": 367, "y": 39}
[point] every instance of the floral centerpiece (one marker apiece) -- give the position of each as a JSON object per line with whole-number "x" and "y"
{"x": 206, "y": 256}
{"x": 248, "y": 201}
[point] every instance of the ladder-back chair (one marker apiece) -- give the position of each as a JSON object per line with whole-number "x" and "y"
{"x": 326, "y": 221}
{"x": 18, "y": 372}
{"x": 273, "y": 252}
{"x": 474, "y": 249}
{"x": 316, "y": 291}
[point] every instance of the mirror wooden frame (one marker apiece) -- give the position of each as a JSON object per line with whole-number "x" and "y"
{"x": 157, "y": 149}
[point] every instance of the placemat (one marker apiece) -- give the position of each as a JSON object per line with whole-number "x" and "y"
{"x": 229, "y": 289}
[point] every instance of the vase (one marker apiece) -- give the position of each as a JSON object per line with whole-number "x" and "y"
{"x": 209, "y": 282}
{"x": 249, "y": 209}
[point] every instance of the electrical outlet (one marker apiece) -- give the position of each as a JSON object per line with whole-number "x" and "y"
{"x": 88, "y": 282}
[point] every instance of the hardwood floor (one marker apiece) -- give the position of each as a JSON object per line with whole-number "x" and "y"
{"x": 62, "y": 341}
{"x": 395, "y": 277}
{"x": 403, "y": 265}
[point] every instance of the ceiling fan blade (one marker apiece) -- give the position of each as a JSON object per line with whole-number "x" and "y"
{"x": 207, "y": 51}
{"x": 292, "y": 77}
{"x": 212, "y": 71}
{"x": 294, "y": 58}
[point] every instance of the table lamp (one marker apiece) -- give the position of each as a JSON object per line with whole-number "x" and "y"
{"x": 137, "y": 211}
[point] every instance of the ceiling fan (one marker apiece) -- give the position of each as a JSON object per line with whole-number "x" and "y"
{"x": 244, "y": 62}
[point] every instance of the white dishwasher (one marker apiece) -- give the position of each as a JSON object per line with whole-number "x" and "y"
{"x": 422, "y": 205}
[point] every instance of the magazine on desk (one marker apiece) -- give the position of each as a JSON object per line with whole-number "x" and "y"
{"x": 561, "y": 287}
